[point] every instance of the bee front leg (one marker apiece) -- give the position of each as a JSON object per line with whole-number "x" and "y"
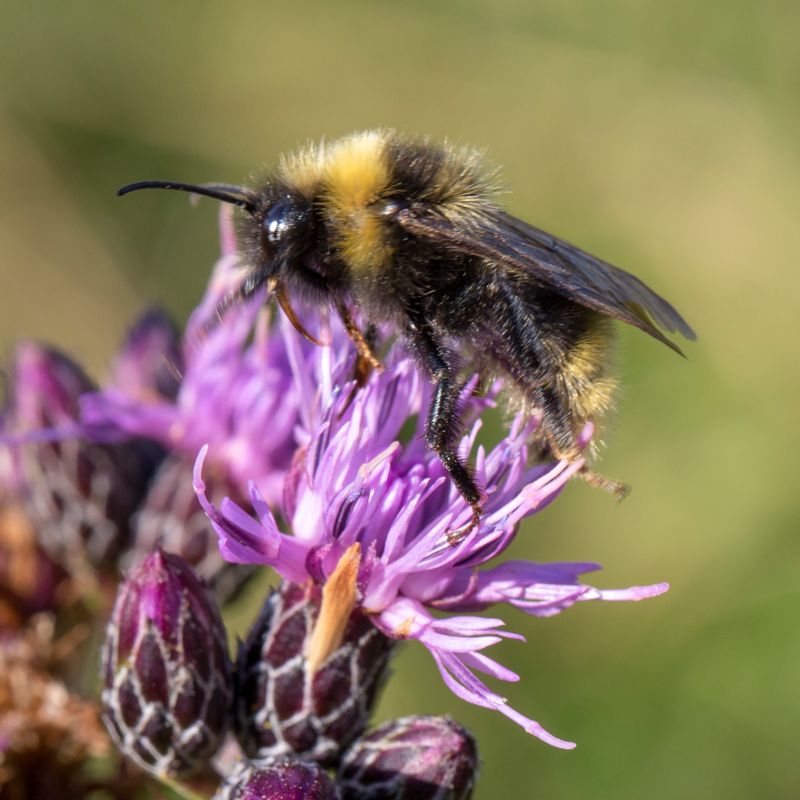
{"x": 364, "y": 366}
{"x": 366, "y": 357}
{"x": 362, "y": 369}
{"x": 366, "y": 360}
{"x": 442, "y": 425}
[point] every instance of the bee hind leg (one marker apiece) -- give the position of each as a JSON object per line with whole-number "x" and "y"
{"x": 614, "y": 487}
{"x": 619, "y": 489}
{"x": 442, "y": 425}
{"x": 560, "y": 442}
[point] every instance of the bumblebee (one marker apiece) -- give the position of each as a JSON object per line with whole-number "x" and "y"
{"x": 406, "y": 232}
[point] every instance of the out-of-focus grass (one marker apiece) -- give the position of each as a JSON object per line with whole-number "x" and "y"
{"x": 663, "y": 136}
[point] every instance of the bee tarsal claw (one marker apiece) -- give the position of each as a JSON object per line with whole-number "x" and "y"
{"x": 458, "y": 535}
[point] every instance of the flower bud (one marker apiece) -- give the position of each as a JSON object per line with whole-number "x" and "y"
{"x": 150, "y": 362}
{"x": 281, "y": 707}
{"x": 166, "y": 671}
{"x": 413, "y": 758}
{"x": 79, "y": 495}
{"x": 171, "y": 517}
{"x": 283, "y": 779}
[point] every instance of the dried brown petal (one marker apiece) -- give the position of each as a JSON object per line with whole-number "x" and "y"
{"x": 46, "y": 733}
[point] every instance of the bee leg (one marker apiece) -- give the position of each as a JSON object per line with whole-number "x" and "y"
{"x": 366, "y": 356}
{"x": 619, "y": 489}
{"x": 594, "y": 479}
{"x": 279, "y": 293}
{"x": 561, "y": 443}
{"x": 441, "y": 428}
{"x": 362, "y": 369}
{"x": 365, "y": 365}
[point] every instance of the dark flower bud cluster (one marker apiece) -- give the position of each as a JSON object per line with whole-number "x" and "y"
{"x": 167, "y": 676}
{"x": 168, "y": 697}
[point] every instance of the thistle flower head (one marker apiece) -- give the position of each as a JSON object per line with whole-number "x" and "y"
{"x": 226, "y": 380}
{"x": 166, "y": 671}
{"x": 370, "y": 510}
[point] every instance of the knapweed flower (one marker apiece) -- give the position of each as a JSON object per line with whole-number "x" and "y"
{"x": 371, "y": 515}
{"x": 167, "y": 677}
{"x": 413, "y": 758}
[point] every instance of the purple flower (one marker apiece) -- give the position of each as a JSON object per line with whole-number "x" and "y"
{"x": 229, "y": 384}
{"x": 362, "y": 502}
{"x": 236, "y": 392}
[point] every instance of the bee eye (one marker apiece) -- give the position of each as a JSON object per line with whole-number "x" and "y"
{"x": 286, "y": 218}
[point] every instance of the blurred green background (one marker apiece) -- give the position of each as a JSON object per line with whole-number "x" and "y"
{"x": 663, "y": 136}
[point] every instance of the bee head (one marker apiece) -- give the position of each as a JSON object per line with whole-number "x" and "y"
{"x": 276, "y": 232}
{"x": 285, "y": 221}
{"x": 275, "y": 229}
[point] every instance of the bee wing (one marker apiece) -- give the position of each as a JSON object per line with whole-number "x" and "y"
{"x": 523, "y": 249}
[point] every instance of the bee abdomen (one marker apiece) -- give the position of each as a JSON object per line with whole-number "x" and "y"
{"x": 584, "y": 379}
{"x": 558, "y": 355}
